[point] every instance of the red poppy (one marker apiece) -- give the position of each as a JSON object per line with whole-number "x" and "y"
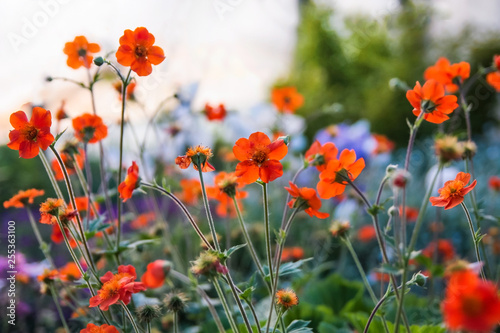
{"x": 333, "y": 178}
{"x": 259, "y": 158}
{"x": 154, "y": 277}
{"x": 367, "y": 233}
{"x": 305, "y": 198}
{"x": 319, "y": 155}
{"x": 198, "y": 155}
{"x": 191, "y": 191}
{"x": 215, "y": 113}
{"x": 287, "y": 99}
{"x": 453, "y": 191}
{"x": 292, "y": 253}
{"x": 493, "y": 80}
{"x": 431, "y": 100}
{"x": 384, "y": 145}
{"x": 130, "y": 183}
{"x": 23, "y": 198}
{"x": 493, "y": 183}
{"x": 447, "y": 74}
{"x": 79, "y": 52}
{"x": 69, "y": 162}
{"x": 30, "y": 136}
{"x": 117, "y": 287}
{"x": 143, "y": 220}
{"x": 226, "y": 186}
{"x": 89, "y": 128}
{"x": 104, "y": 328}
{"x": 137, "y": 51}
{"x": 470, "y": 304}
{"x": 443, "y": 247}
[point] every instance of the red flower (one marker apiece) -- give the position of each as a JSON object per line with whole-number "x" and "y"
{"x": 431, "y": 100}
{"x": 117, "y": 287}
{"x": 129, "y": 94}
{"x": 493, "y": 80}
{"x": 69, "y": 162}
{"x": 50, "y": 209}
{"x": 57, "y": 236}
{"x": 191, "y": 191}
{"x": 130, "y": 183}
{"x": 82, "y": 204}
{"x": 104, "y": 328}
{"x": 384, "y": 145}
{"x": 367, "y": 233}
{"x": 69, "y": 272}
{"x": 305, "y": 198}
{"x": 79, "y": 52}
{"x": 443, "y": 247}
{"x": 154, "y": 277}
{"x": 259, "y": 158}
{"x": 137, "y": 51}
{"x": 410, "y": 212}
{"x": 215, "y": 113}
{"x": 470, "y": 304}
{"x": 292, "y": 253}
{"x": 29, "y": 136}
{"x": 23, "y": 198}
{"x": 319, "y": 155}
{"x": 453, "y": 191}
{"x": 287, "y": 99}
{"x": 494, "y": 183}
{"x": 143, "y": 220}
{"x": 199, "y": 155}
{"x": 447, "y": 74}
{"x": 89, "y": 128}
{"x": 226, "y": 186}
{"x": 333, "y": 179}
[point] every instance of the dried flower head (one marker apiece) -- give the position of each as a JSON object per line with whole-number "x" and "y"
{"x": 175, "y": 301}
{"x": 148, "y": 313}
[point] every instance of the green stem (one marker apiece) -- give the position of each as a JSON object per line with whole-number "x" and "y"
{"x": 43, "y": 245}
{"x": 207, "y": 210}
{"x": 58, "y": 306}
{"x": 280, "y": 313}
{"x": 251, "y": 248}
{"x": 267, "y": 233}
{"x": 222, "y": 298}
{"x": 130, "y": 317}
{"x": 473, "y": 234}
{"x": 52, "y": 179}
{"x": 238, "y": 302}
{"x": 176, "y": 322}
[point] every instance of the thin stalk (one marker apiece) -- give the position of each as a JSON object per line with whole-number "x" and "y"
{"x": 120, "y": 169}
{"x": 148, "y": 325}
{"x": 285, "y": 209}
{"x": 211, "y": 223}
{"x": 184, "y": 210}
{"x": 374, "y": 311}
{"x": 89, "y": 184}
{"x": 43, "y": 245}
{"x": 236, "y": 296}
{"x": 176, "y": 322}
{"x": 250, "y": 246}
{"x": 52, "y": 179}
{"x": 368, "y": 287}
{"x": 130, "y": 317}
{"x": 280, "y": 313}
{"x": 58, "y": 306}
{"x": 222, "y": 298}
{"x": 267, "y": 233}
{"x": 473, "y": 234}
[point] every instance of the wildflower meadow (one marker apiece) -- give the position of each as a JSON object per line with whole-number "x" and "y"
{"x": 186, "y": 220}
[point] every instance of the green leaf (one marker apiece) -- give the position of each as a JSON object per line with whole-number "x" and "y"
{"x": 247, "y": 294}
{"x": 390, "y": 269}
{"x": 299, "y": 326}
{"x": 53, "y": 144}
{"x": 287, "y": 268}
{"x": 227, "y": 253}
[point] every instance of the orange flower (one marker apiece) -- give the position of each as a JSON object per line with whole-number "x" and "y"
{"x": 226, "y": 186}
{"x": 384, "y": 145}
{"x": 137, "y": 51}
{"x": 410, "y": 212}
{"x": 48, "y": 275}
{"x": 496, "y": 61}
{"x": 191, "y": 191}
{"x": 69, "y": 162}
{"x": 287, "y": 99}
{"x": 130, "y": 183}
{"x": 447, "y": 74}
{"x": 154, "y": 277}
{"x": 57, "y": 236}
{"x": 319, "y": 155}
{"x": 129, "y": 94}
{"x": 215, "y": 113}
{"x": 69, "y": 272}
{"x": 79, "y": 52}
{"x": 292, "y": 253}
{"x": 89, "y": 128}
{"x": 198, "y": 155}
{"x": 453, "y": 191}
{"x": 381, "y": 277}
{"x": 470, "y": 304}
{"x": 444, "y": 248}
{"x": 259, "y": 158}
{"x": 494, "y": 184}
{"x": 23, "y": 198}
{"x": 82, "y": 204}
{"x": 104, "y": 328}
{"x": 30, "y": 136}
{"x": 431, "y": 100}
{"x": 367, "y": 233}
{"x": 286, "y": 298}
{"x": 117, "y": 287}
{"x": 61, "y": 113}
{"x": 493, "y": 80}
{"x": 142, "y": 220}
{"x": 49, "y": 210}
{"x": 333, "y": 179}
{"x": 305, "y": 198}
